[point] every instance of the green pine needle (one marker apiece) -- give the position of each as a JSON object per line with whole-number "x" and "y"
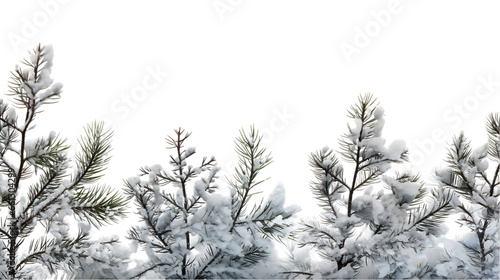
{"x": 493, "y": 129}
{"x": 91, "y": 161}
{"x": 429, "y": 218}
{"x": 99, "y": 205}
{"x": 252, "y": 160}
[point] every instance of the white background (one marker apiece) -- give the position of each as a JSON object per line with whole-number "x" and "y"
{"x": 234, "y": 63}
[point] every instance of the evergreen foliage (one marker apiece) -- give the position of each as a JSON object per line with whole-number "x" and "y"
{"x": 476, "y": 199}
{"x": 364, "y": 230}
{"x": 39, "y": 191}
{"x": 191, "y": 229}
{"x": 378, "y": 218}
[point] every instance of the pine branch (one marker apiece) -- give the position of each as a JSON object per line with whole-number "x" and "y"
{"x": 24, "y": 87}
{"x": 150, "y": 217}
{"x": 207, "y": 258}
{"x": 463, "y": 176}
{"x": 31, "y": 87}
{"x": 49, "y": 181}
{"x": 423, "y": 192}
{"x": 264, "y": 215}
{"x": 8, "y": 118}
{"x": 155, "y": 203}
{"x": 252, "y": 159}
{"x": 400, "y": 184}
{"x": 36, "y": 249}
{"x": 20, "y": 88}
{"x": 47, "y": 152}
{"x": 99, "y": 205}
{"x": 329, "y": 179}
{"x": 493, "y": 129}
{"x": 319, "y": 232}
{"x": 352, "y": 150}
{"x": 253, "y": 255}
{"x": 458, "y": 158}
{"x": 208, "y": 187}
{"x": 201, "y": 272}
{"x": 364, "y": 147}
{"x": 363, "y": 111}
{"x": 496, "y": 181}
{"x": 178, "y": 144}
{"x": 428, "y": 220}
{"x": 67, "y": 250}
{"x": 367, "y": 177}
{"x": 91, "y": 161}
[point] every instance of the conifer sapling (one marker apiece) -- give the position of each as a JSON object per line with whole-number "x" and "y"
{"x": 40, "y": 193}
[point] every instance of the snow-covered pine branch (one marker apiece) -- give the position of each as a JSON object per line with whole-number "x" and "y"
{"x": 180, "y": 216}
{"x": 48, "y": 199}
{"x": 191, "y": 229}
{"x": 367, "y": 231}
{"x": 252, "y": 228}
{"x": 476, "y": 198}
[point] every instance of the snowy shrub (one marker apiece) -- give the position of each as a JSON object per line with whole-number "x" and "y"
{"x": 365, "y": 230}
{"x": 46, "y": 211}
{"x": 378, "y": 218}
{"x": 191, "y": 228}
{"x": 476, "y": 200}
